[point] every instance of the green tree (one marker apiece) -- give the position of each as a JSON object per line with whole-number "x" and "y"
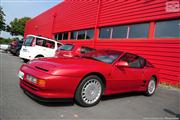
{"x": 17, "y": 26}
{"x": 2, "y": 20}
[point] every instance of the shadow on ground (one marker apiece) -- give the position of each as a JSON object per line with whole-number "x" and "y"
{"x": 104, "y": 98}
{"x": 172, "y": 113}
{"x": 122, "y": 95}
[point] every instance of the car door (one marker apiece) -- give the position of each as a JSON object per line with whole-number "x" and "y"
{"x": 129, "y": 78}
{"x": 49, "y": 48}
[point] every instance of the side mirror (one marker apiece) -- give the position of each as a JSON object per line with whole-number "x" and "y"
{"x": 122, "y": 64}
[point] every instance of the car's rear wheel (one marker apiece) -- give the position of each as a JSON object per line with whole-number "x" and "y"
{"x": 151, "y": 87}
{"x": 89, "y": 91}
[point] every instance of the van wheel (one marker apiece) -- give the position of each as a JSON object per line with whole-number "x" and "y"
{"x": 25, "y": 60}
{"x": 39, "y": 56}
{"x": 89, "y": 91}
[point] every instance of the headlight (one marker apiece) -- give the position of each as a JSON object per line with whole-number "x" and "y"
{"x": 39, "y": 82}
{"x": 31, "y": 79}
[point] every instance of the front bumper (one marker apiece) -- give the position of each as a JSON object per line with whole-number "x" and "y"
{"x": 57, "y": 87}
{"x": 25, "y": 55}
{"x": 35, "y": 97}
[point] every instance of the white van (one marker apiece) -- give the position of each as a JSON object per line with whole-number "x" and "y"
{"x": 36, "y": 46}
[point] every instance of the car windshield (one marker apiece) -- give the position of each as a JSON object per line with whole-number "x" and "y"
{"x": 28, "y": 41}
{"x": 106, "y": 56}
{"x": 66, "y": 47}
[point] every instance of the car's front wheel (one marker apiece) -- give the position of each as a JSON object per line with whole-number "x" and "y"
{"x": 151, "y": 87}
{"x": 89, "y": 91}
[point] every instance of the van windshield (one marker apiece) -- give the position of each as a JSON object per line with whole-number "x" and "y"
{"x": 28, "y": 41}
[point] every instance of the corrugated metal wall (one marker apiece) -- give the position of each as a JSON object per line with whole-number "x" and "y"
{"x": 130, "y": 11}
{"x": 76, "y": 15}
{"x": 80, "y": 14}
{"x": 163, "y": 53}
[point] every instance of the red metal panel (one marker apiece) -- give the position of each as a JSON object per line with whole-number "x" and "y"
{"x": 164, "y": 54}
{"x": 42, "y": 24}
{"x": 74, "y": 15}
{"x": 131, "y": 11}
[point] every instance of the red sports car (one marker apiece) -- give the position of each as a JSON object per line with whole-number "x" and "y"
{"x": 70, "y": 50}
{"x": 85, "y": 79}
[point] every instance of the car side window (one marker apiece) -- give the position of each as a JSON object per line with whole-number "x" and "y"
{"x": 134, "y": 61}
{"x": 143, "y": 62}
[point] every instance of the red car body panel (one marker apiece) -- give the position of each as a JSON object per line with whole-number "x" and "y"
{"x": 64, "y": 53}
{"x": 75, "y": 51}
{"x": 63, "y": 75}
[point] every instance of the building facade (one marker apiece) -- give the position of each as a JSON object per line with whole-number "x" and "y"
{"x": 150, "y": 28}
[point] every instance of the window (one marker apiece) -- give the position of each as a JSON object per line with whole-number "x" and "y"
{"x": 139, "y": 30}
{"x": 39, "y": 41}
{"x": 167, "y": 29}
{"x": 56, "y": 36}
{"x": 74, "y": 35}
{"x": 45, "y": 43}
{"x": 120, "y": 31}
{"x": 49, "y": 44}
{"x": 66, "y": 47}
{"x": 61, "y": 36}
{"x": 125, "y": 31}
{"x": 65, "y": 36}
{"x": 29, "y": 40}
{"x": 58, "y": 45}
{"x": 81, "y": 35}
{"x": 105, "y": 32}
{"x": 86, "y": 49}
{"x": 90, "y": 34}
{"x": 134, "y": 61}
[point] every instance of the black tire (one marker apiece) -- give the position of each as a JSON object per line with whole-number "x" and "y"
{"x": 25, "y": 60}
{"x": 17, "y": 52}
{"x": 39, "y": 56}
{"x": 78, "y": 95}
{"x": 148, "y": 92}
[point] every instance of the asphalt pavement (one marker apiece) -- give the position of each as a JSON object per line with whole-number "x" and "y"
{"x": 15, "y": 105}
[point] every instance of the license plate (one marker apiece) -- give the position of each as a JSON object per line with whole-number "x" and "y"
{"x": 21, "y": 74}
{"x": 24, "y": 50}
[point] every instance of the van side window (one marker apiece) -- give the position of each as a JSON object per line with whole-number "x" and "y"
{"x": 49, "y": 44}
{"x": 58, "y": 45}
{"x": 39, "y": 41}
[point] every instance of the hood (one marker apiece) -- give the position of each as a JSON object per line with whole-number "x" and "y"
{"x": 65, "y": 66}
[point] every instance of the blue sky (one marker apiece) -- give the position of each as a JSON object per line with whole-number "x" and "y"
{"x": 21, "y": 8}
